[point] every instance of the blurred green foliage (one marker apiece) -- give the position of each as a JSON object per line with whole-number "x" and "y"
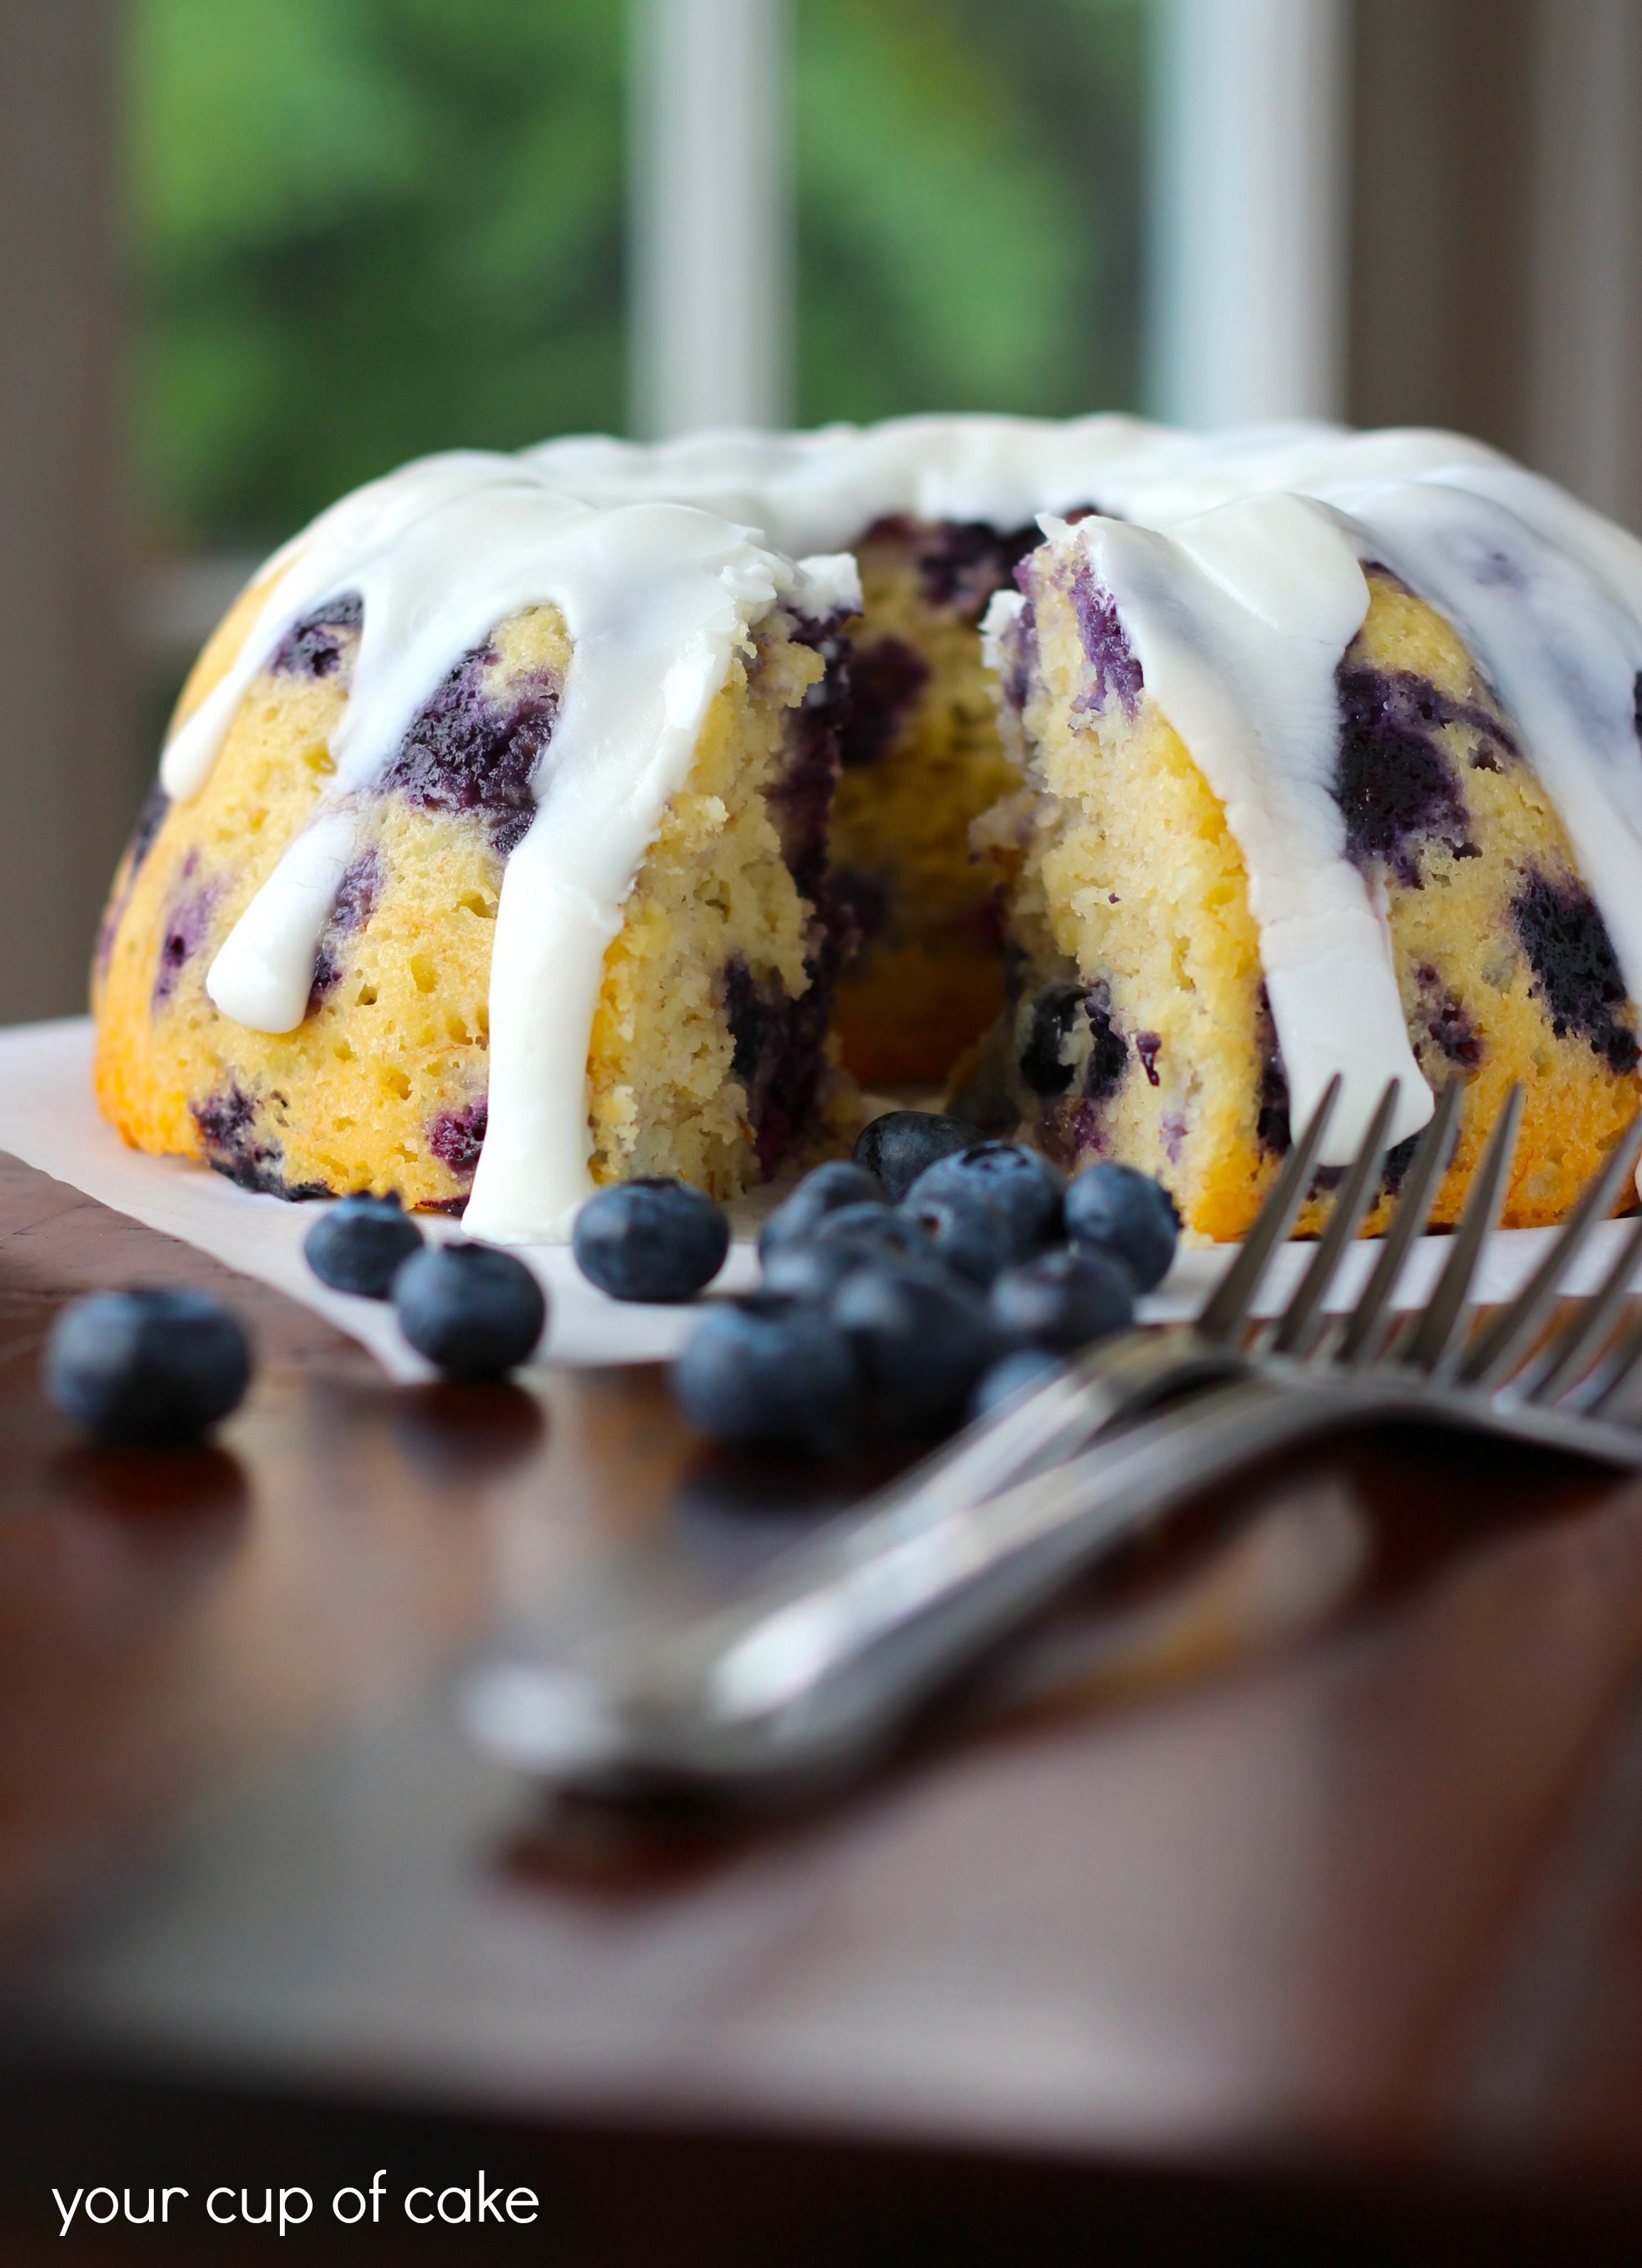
{"x": 368, "y": 228}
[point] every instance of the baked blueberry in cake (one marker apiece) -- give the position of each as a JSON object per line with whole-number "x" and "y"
{"x": 536, "y": 823}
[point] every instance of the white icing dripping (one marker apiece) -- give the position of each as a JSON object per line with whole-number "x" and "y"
{"x": 1238, "y": 618}
{"x": 1239, "y": 599}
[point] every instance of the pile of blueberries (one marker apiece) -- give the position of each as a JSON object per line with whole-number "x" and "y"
{"x": 930, "y": 1276}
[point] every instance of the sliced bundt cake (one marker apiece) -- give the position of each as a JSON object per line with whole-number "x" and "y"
{"x": 496, "y": 852}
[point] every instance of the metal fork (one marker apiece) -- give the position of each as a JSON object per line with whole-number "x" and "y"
{"x": 818, "y": 1668}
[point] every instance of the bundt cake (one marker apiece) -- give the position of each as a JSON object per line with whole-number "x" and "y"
{"x": 534, "y": 822}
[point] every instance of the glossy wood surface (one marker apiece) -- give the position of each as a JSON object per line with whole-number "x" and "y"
{"x": 1289, "y": 1878}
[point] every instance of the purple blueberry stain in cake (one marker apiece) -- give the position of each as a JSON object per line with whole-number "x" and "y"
{"x": 358, "y": 891}
{"x": 1395, "y": 787}
{"x": 1020, "y": 649}
{"x": 747, "y": 1014}
{"x": 1447, "y": 1020}
{"x": 1272, "y": 1114}
{"x": 1043, "y": 1064}
{"x": 1071, "y": 1135}
{"x": 1399, "y": 1158}
{"x": 1107, "y": 1066}
{"x": 457, "y": 1137}
{"x": 1106, "y": 646}
{"x": 1071, "y": 1032}
{"x": 321, "y": 643}
{"x": 227, "y": 1125}
{"x": 1149, "y": 1047}
{"x": 187, "y": 926}
{"x": 149, "y": 820}
{"x": 886, "y": 680}
{"x": 963, "y": 562}
{"x": 800, "y": 801}
{"x": 328, "y": 974}
{"x": 1172, "y": 1135}
{"x": 354, "y": 904}
{"x": 467, "y": 752}
{"x": 1575, "y": 970}
{"x": 778, "y": 1045}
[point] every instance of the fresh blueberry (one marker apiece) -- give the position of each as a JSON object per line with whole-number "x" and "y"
{"x": 471, "y": 1309}
{"x": 900, "y": 1145}
{"x": 813, "y": 1272}
{"x": 357, "y": 1246}
{"x": 781, "y": 1375}
{"x": 1021, "y": 1183}
{"x": 879, "y": 1228}
{"x": 152, "y": 1366}
{"x": 1016, "y": 1374}
{"x": 1121, "y": 1211}
{"x": 975, "y": 1238}
{"x": 923, "y": 1338}
{"x": 656, "y": 1240}
{"x": 836, "y": 1183}
{"x": 1064, "y": 1298}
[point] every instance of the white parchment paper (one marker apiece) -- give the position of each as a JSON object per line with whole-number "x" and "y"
{"x": 48, "y": 1119}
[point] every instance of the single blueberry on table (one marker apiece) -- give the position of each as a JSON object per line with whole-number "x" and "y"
{"x": 1021, "y": 1183}
{"x": 360, "y": 1243}
{"x": 1064, "y": 1298}
{"x": 150, "y": 1367}
{"x": 838, "y": 1183}
{"x": 977, "y": 1239}
{"x": 1119, "y": 1210}
{"x": 650, "y": 1240}
{"x": 472, "y": 1310}
{"x": 898, "y": 1147}
{"x": 923, "y": 1337}
{"x": 756, "y": 1373}
{"x": 1017, "y": 1373}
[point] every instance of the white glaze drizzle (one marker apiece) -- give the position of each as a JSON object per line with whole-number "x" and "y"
{"x": 1238, "y": 618}
{"x": 1238, "y": 598}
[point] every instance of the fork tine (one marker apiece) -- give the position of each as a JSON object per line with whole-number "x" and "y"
{"x": 1442, "y": 1325}
{"x": 1504, "y": 1338}
{"x": 1228, "y": 1310}
{"x": 1419, "y": 1191}
{"x": 1299, "y": 1326}
{"x": 1590, "y": 1322}
{"x": 1594, "y": 1397}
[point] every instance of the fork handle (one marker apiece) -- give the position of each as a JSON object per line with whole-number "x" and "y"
{"x": 795, "y": 1687}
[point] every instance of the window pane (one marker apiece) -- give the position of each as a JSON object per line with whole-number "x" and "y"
{"x": 970, "y": 205}
{"x": 368, "y": 228}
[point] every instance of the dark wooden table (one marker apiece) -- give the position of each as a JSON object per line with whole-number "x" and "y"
{"x": 1279, "y": 1897}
